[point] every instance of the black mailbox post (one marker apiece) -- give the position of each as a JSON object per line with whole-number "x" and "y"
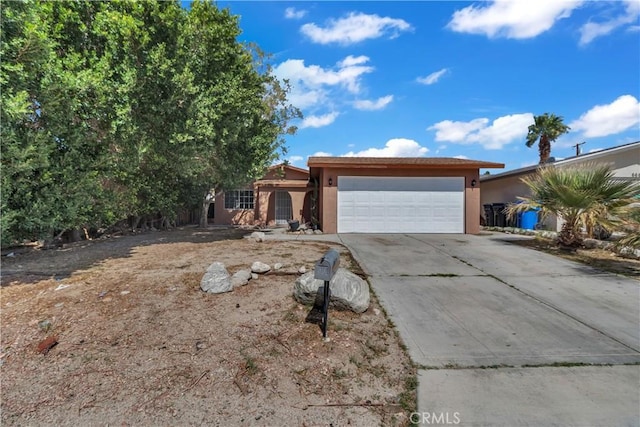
{"x": 325, "y": 269}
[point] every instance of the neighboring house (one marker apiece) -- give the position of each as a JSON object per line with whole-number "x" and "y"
{"x": 283, "y": 194}
{"x": 363, "y": 195}
{"x": 506, "y": 187}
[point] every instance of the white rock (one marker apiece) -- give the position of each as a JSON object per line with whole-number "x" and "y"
{"x": 216, "y": 280}
{"x": 348, "y": 291}
{"x": 254, "y": 276}
{"x": 277, "y": 266}
{"x": 260, "y": 267}
{"x": 240, "y": 278}
{"x": 302, "y": 270}
{"x": 258, "y": 235}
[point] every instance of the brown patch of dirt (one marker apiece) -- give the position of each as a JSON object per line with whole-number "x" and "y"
{"x": 138, "y": 342}
{"x": 597, "y": 258}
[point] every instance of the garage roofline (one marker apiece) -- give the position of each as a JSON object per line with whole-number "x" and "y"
{"x": 400, "y": 162}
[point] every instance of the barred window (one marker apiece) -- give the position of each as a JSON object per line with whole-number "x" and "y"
{"x": 238, "y": 199}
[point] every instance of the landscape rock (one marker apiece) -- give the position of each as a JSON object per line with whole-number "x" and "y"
{"x": 348, "y": 291}
{"x": 277, "y": 266}
{"x": 258, "y": 235}
{"x": 260, "y": 267}
{"x": 240, "y": 278}
{"x": 308, "y": 232}
{"x": 302, "y": 270}
{"x": 216, "y": 280}
{"x": 317, "y": 231}
{"x": 254, "y": 276}
{"x": 590, "y": 243}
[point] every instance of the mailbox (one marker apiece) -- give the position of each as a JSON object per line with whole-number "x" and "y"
{"x": 327, "y": 266}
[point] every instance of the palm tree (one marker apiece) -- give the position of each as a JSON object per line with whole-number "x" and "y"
{"x": 582, "y": 196}
{"x": 546, "y": 128}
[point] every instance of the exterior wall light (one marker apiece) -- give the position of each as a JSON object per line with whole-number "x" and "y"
{"x": 330, "y": 182}
{"x": 473, "y": 182}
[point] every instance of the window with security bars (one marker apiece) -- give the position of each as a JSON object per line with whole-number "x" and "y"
{"x": 238, "y": 199}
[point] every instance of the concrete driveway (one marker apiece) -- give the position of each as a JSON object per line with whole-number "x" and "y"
{"x": 506, "y": 335}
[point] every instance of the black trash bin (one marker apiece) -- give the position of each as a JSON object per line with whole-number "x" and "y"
{"x": 294, "y": 224}
{"x": 500, "y": 219}
{"x": 488, "y": 215}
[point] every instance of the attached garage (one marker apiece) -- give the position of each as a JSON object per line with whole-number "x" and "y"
{"x": 370, "y": 204}
{"x": 397, "y": 195}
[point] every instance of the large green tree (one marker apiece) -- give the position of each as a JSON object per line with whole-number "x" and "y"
{"x": 121, "y": 109}
{"x": 545, "y": 130}
{"x": 582, "y": 197}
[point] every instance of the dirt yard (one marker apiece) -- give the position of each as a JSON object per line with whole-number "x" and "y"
{"x": 138, "y": 342}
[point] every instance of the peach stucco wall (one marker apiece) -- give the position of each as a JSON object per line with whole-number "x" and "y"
{"x": 329, "y": 194}
{"x": 266, "y": 211}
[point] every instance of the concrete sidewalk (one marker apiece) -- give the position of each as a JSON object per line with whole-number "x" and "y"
{"x": 479, "y": 312}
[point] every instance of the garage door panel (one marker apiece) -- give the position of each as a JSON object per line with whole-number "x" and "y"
{"x": 401, "y": 204}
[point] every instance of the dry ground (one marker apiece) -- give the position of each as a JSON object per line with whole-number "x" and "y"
{"x": 140, "y": 344}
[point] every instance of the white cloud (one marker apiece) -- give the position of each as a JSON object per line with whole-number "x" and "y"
{"x": 593, "y": 150}
{"x": 319, "y": 121}
{"x": 351, "y": 60}
{"x": 369, "y": 105}
{"x": 492, "y": 136}
{"x": 321, "y": 154}
{"x": 295, "y": 159}
{"x": 609, "y": 119}
{"x": 311, "y": 84}
{"x": 293, "y": 13}
{"x": 354, "y": 28}
{"x": 593, "y": 30}
{"x": 397, "y": 147}
{"x": 433, "y": 77}
{"x": 461, "y": 156}
{"x": 515, "y": 19}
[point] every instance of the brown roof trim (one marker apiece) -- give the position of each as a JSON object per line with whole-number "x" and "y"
{"x": 295, "y": 183}
{"x": 403, "y": 162}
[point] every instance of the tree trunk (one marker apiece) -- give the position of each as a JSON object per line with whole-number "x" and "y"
{"x": 545, "y": 149}
{"x": 204, "y": 214}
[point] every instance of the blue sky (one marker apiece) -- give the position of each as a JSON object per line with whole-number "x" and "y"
{"x": 451, "y": 79}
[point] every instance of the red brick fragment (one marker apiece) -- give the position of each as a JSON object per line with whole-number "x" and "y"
{"x": 46, "y": 344}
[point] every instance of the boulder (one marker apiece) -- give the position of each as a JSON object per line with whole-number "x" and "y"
{"x": 216, "y": 280}
{"x": 260, "y": 267}
{"x": 348, "y": 291}
{"x": 240, "y": 278}
{"x": 258, "y": 235}
{"x": 277, "y": 266}
{"x": 302, "y": 270}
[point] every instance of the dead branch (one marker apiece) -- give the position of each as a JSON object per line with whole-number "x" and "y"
{"x": 198, "y": 380}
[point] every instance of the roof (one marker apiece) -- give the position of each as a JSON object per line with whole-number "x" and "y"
{"x": 279, "y": 165}
{"x": 402, "y": 162}
{"x": 282, "y": 182}
{"x": 564, "y": 162}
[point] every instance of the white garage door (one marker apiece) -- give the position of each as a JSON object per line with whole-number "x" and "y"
{"x": 400, "y": 204}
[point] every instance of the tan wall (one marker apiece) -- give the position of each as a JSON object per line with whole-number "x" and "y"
{"x": 329, "y": 194}
{"x": 624, "y": 164}
{"x": 503, "y": 190}
{"x": 266, "y": 211}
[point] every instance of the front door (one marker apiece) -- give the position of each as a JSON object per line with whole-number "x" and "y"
{"x": 284, "y": 211}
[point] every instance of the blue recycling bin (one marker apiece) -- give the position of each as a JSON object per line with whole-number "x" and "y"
{"x": 528, "y": 219}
